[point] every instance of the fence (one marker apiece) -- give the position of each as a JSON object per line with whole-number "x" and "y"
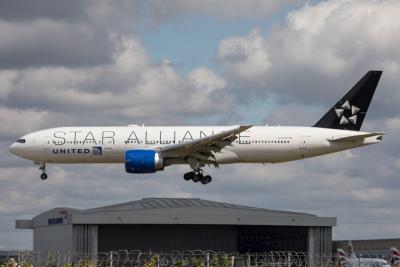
{"x": 193, "y": 258}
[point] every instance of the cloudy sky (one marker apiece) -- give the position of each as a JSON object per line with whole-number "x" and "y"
{"x": 210, "y": 62}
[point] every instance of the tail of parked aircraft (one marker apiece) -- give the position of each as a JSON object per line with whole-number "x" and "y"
{"x": 395, "y": 252}
{"x": 341, "y": 253}
{"x": 350, "y": 111}
{"x": 395, "y": 256}
{"x": 350, "y": 250}
{"x": 341, "y": 257}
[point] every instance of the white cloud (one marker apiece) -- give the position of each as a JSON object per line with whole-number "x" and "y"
{"x": 245, "y": 56}
{"x": 20, "y": 195}
{"x": 324, "y": 46}
{"x": 15, "y": 123}
{"x": 206, "y": 81}
{"x": 6, "y": 82}
{"x": 206, "y": 86}
{"x": 370, "y": 194}
{"x": 47, "y": 42}
{"x": 128, "y": 87}
{"x": 335, "y": 36}
{"x": 293, "y": 114}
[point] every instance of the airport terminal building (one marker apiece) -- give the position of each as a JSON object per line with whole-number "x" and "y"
{"x": 166, "y": 224}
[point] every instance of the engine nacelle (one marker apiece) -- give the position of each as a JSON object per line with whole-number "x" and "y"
{"x": 143, "y": 161}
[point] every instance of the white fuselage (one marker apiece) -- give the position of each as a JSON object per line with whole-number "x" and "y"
{"x": 259, "y": 144}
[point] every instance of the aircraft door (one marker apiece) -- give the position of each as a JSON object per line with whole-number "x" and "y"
{"x": 303, "y": 144}
{"x": 46, "y": 141}
{"x": 303, "y": 140}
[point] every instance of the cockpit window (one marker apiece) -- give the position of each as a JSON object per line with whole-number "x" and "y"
{"x": 21, "y": 141}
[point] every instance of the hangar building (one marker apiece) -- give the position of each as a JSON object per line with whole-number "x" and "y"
{"x": 165, "y": 224}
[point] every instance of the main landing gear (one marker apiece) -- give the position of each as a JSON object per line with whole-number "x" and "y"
{"x": 197, "y": 176}
{"x": 42, "y": 167}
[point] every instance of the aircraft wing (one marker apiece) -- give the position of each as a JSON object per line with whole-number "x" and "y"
{"x": 354, "y": 138}
{"x": 203, "y": 149}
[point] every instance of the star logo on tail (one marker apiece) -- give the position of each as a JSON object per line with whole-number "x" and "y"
{"x": 348, "y": 109}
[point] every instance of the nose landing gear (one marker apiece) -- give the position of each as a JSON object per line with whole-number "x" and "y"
{"x": 197, "y": 176}
{"x": 42, "y": 167}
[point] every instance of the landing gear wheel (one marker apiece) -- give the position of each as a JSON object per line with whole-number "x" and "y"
{"x": 188, "y": 176}
{"x": 206, "y": 179}
{"x": 197, "y": 177}
{"x": 43, "y": 176}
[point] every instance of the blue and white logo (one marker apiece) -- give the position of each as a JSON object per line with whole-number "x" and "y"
{"x": 97, "y": 151}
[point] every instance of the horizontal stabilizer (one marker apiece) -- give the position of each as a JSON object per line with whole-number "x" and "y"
{"x": 354, "y": 138}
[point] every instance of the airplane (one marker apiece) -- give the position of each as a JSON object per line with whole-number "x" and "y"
{"x": 350, "y": 259}
{"x": 147, "y": 149}
{"x": 395, "y": 257}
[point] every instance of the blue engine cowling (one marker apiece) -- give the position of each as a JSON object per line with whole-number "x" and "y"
{"x": 143, "y": 161}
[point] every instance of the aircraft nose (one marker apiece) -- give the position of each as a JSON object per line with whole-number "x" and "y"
{"x": 14, "y": 149}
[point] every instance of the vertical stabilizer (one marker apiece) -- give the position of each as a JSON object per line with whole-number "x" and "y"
{"x": 395, "y": 256}
{"x": 350, "y": 111}
{"x": 351, "y": 252}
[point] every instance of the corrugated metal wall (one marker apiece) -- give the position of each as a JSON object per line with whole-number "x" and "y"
{"x": 53, "y": 238}
{"x": 272, "y": 238}
{"x": 103, "y": 238}
{"x": 85, "y": 238}
{"x": 319, "y": 241}
{"x": 166, "y": 237}
{"x": 204, "y": 237}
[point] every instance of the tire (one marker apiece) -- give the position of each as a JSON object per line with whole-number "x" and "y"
{"x": 206, "y": 179}
{"x": 197, "y": 177}
{"x": 43, "y": 176}
{"x": 188, "y": 176}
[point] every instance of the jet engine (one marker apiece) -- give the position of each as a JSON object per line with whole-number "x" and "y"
{"x": 143, "y": 161}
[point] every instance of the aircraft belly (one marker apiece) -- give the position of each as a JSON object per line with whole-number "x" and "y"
{"x": 87, "y": 159}
{"x": 226, "y": 157}
{"x": 264, "y": 154}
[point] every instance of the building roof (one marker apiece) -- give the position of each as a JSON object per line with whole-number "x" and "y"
{"x": 171, "y": 203}
{"x": 179, "y": 211}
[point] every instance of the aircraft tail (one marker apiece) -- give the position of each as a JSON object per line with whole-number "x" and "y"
{"x": 341, "y": 257}
{"x": 395, "y": 256}
{"x": 350, "y": 111}
{"x": 350, "y": 249}
{"x": 341, "y": 253}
